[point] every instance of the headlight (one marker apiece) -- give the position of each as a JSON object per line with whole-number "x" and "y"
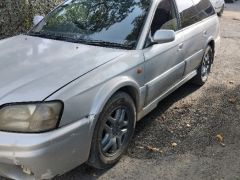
{"x": 30, "y": 117}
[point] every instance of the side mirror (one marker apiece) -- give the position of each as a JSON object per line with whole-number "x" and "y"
{"x": 164, "y": 36}
{"x": 37, "y": 19}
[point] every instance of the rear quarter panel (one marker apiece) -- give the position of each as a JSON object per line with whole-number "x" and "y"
{"x": 213, "y": 30}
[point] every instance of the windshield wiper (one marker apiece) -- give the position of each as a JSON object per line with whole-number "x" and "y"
{"x": 104, "y": 43}
{"x": 57, "y": 36}
{"x": 40, "y": 34}
{"x": 54, "y": 36}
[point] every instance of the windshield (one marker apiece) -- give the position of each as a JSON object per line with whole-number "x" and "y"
{"x": 106, "y": 22}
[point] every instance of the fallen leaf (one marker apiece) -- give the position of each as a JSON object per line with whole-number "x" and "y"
{"x": 140, "y": 147}
{"x": 232, "y": 100}
{"x": 223, "y": 144}
{"x": 153, "y": 149}
{"x": 219, "y": 138}
{"x": 171, "y": 131}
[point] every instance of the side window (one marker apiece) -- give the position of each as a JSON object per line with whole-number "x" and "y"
{"x": 188, "y": 12}
{"x": 204, "y": 8}
{"x": 165, "y": 17}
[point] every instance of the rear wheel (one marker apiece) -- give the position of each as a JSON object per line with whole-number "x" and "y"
{"x": 113, "y": 131}
{"x": 205, "y": 67}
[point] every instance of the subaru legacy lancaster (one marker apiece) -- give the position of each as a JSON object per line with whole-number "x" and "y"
{"x": 74, "y": 86}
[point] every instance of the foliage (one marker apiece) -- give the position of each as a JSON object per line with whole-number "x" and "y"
{"x": 89, "y": 18}
{"x": 16, "y": 15}
{"x": 99, "y": 14}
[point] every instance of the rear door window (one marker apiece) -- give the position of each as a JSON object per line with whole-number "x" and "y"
{"x": 188, "y": 12}
{"x": 204, "y": 8}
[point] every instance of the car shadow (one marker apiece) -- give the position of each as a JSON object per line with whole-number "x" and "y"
{"x": 165, "y": 104}
{"x": 86, "y": 172}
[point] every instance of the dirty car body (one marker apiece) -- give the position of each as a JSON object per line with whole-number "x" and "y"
{"x": 56, "y": 80}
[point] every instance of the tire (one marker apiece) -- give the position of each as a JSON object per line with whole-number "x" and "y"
{"x": 221, "y": 11}
{"x": 113, "y": 131}
{"x": 205, "y": 68}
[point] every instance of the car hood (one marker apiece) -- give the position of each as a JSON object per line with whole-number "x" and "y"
{"x": 33, "y": 68}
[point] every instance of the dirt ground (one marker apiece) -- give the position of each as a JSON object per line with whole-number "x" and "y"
{"x": 195, "y": 132}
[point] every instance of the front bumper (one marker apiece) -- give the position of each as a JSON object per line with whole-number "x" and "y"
{"x": 46, "y": 155}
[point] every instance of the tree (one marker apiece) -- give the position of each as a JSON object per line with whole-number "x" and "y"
{"x": 16, "y": 15}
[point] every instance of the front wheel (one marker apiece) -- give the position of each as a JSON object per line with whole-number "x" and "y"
{"x": 113, "y": 132}
{"x": 205, "y": 67}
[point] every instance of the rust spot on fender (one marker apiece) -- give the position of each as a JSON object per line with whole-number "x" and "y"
{"x": 140, "y": 70}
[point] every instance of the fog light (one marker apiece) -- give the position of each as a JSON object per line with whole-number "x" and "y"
{"x": 26, "y": 170}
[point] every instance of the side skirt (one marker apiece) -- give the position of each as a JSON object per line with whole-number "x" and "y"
{"x": 154, "y": 103}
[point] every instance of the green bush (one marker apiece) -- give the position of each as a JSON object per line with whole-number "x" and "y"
{"x": 16, "y": 16}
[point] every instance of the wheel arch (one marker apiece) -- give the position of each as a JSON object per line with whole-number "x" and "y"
{"x": 104, "y": 94}
{"x": 110, "y": 88}
{"x": 124, "y": 84}
{"x": 132, "y": 92}
{"x": 211, "y": 43}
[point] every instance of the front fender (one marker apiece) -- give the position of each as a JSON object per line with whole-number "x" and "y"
{"x": 109, "y": 89}
{"x": 89, "y": 94}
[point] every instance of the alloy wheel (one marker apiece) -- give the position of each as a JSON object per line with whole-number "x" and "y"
{"x": 206, "y": 66}
{"x": 115, "y": 131}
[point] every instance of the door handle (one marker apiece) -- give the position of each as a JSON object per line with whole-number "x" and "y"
{"x": 205, "y": 33}
{"x": 180, "y": 47}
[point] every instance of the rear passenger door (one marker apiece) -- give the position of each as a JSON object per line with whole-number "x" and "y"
{"x": 192, "y": 13}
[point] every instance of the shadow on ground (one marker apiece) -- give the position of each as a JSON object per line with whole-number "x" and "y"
{"x": 86, "y": 172}
{"x": 192, "y": 124}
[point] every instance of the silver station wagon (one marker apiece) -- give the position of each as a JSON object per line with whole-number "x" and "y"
{"x": 73, "y": 87}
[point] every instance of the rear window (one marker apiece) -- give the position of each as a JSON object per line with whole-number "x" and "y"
{"x": 193, "y": 11}
{"x": 188, "y": 12}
